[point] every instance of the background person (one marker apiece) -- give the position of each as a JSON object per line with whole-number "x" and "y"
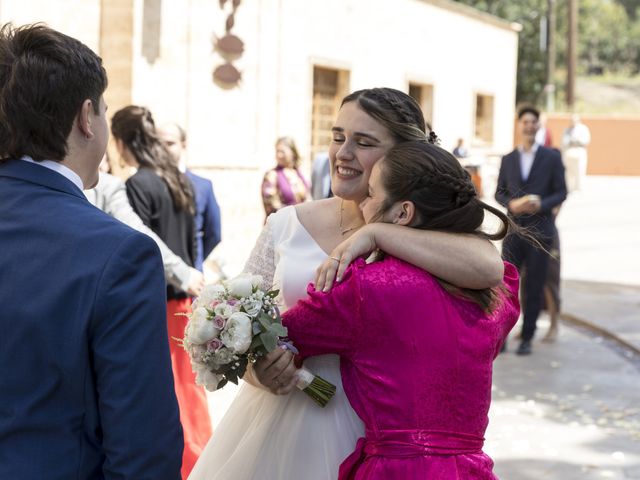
{"x": 530, "y": 185}
{"x": 110, "y": 196}
{"x": 207, "y": 215}
{"x": 162, "y": 197}
{"x": 284, "y": 185}
{"x": 575, "y": 140}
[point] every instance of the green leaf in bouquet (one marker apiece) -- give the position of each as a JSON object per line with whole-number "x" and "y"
{"x": 265, "y": 320}
{"x": 255, "y": 343}
{"x": 221, "y": 383}
{"x": 242, "y": 368}
{"x": 269, "y": 340}
{"x": 273, "y": 293}
{"x": 278, "y": 330}
{"x": 232, "y": 376}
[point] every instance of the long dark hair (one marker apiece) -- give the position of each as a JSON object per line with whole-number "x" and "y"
{"x": 134, "y": 126}
{"x": 444, "y": 197}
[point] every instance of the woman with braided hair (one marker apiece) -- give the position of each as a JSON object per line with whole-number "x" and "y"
{"x": 416, "y": 351}
{"x": 162, "y": 197}
{"x": 286, "y": 436}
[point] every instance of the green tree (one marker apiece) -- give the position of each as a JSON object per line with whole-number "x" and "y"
{"x": 531, "y": 60}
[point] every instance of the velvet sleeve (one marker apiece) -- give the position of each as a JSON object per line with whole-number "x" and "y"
{"x": 328, "y": 322}
{"x": 509, "y": 309}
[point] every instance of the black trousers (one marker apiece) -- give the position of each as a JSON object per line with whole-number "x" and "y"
{"x": 532, "y": 263}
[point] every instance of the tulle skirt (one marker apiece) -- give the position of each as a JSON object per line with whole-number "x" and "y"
{"x": 269, "y": 437}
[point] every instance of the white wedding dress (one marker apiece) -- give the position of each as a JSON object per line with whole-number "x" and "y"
{"x": 269, "y": 437}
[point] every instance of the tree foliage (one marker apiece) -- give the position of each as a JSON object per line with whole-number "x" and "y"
{"x": 608, "y": 38}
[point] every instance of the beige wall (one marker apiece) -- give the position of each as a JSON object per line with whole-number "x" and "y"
{"x": 612, "y": 150}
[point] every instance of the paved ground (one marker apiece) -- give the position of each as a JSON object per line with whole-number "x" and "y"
{"x": 572, "y": 409}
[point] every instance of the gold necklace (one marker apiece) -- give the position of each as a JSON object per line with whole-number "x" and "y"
{"x": 345, "y": 230}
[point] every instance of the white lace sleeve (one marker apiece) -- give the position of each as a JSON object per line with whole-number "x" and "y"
{"x": 261, "y": 261}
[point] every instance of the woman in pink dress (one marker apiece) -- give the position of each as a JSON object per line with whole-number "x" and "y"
{"x": 416, "y": 352}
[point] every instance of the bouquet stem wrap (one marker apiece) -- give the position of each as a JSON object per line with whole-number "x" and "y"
{"x": 316, "y": 387}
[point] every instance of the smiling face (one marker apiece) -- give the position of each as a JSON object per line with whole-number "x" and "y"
{"x": 358, "y": 142}
{"x": 528, "y": 124}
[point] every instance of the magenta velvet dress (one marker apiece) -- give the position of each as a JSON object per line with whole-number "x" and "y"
{"x": 416, "y": 365}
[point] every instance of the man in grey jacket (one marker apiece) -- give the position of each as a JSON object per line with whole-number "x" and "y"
{"x": 110, "y": 196}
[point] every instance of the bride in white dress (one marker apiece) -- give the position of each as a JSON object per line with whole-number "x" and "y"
{"x": 285, "y": 437}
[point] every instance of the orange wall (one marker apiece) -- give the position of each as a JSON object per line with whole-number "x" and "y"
{"x": 615, "y": 142}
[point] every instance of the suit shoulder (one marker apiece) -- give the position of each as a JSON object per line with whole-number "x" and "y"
{"x": 509, "y": 156}
{"x": 199, "y": 182}
{"x": 552, "y": 153}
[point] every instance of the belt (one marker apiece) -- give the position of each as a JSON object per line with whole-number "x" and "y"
{"x": 407, "y": 444}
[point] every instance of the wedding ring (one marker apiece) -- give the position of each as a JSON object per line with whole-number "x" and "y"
{"x": 335, "y": 258}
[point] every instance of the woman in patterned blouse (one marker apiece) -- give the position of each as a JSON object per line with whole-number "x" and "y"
{"x": 284, "y": 185}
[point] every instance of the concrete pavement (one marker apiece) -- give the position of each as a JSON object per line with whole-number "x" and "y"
{"x": 572, "y": 409}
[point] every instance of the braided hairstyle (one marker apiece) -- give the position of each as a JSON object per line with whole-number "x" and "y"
{"x": 444, "y": 197}
{"x": 396, "y": 111}
{"x": 134, "y": 126}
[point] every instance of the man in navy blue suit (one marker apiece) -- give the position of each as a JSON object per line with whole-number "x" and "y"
{"x": 86, "y": 390}
{"x": 530, "y": 184}
{"x": 207, "y": 218}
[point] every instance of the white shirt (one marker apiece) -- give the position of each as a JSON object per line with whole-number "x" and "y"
{"x": 526, "y": 160}
{"x": 63, "y": 170}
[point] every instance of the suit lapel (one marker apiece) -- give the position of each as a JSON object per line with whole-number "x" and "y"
{"x": 517, "y": 168}
{"x": 536, "y": 163}
{"x": 39, "y": 175}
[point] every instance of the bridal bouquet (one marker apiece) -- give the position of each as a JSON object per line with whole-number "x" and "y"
{"x": 232, "y": 324}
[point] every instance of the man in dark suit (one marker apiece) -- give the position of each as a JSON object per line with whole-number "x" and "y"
{"x": 207, "y": 217}
{"x": 86, "y": 389}
{"x": 530, "y": 184}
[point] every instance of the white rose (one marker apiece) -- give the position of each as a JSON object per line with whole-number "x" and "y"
{"x": 200, "y": 329}
{"x": 241, "y": 286}
{"x": 252, "y": 306}
{"x": 256, "y": 281}
{"x": 224, "y": 356}
{"x": 238, "y": 334}
{"x": 207, "y": 378}
{"x": 223, "y": 310}
{"x": 210, "y": 293}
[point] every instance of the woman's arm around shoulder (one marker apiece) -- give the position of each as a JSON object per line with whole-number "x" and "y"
{"x": 464, "y": 260}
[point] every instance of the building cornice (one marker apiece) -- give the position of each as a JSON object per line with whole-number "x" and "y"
{"x": 476, "y": 14}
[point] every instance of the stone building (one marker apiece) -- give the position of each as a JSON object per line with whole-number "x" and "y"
{"x": 299, "y": 58}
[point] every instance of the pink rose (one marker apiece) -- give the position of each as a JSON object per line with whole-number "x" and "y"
{"x": 219, "y": 322}
{"x": 214, "y": 345}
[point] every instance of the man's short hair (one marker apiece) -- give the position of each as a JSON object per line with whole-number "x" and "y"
{"x": 528, "y": 109}
{"x": 45, "y": 76}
